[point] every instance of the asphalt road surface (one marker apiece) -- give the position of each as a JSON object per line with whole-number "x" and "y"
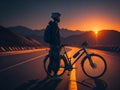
{"x": 23, "y": 70}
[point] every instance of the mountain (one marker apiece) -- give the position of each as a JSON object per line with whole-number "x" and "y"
{"x": 109, "y": 37}
{"x": 38, "y": 34}
{"x": 28, "y": 32}
{"x": 104, "y": 37}
{"x": 21, "y": 30}
{"x": 66, "y": 33}
{"x": 79, "y": 39}
{"x": 8, "y": 38}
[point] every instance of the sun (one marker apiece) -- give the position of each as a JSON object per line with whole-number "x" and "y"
{"x": 96, "y": 32}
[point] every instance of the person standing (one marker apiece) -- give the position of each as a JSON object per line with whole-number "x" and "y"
{"x": 52, "y": 37}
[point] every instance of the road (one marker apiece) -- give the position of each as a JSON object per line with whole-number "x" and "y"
{"x": 23, "y": 70}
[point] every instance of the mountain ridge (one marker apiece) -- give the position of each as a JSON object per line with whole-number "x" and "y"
{"x": 9, "y": 38}
{"x": 104, "y": 37}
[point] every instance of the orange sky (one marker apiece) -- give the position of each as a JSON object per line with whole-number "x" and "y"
{"x": 92, "y": 22}
{"x": 76, "y": 14}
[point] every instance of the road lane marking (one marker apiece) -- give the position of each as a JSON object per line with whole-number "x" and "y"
{"x": 25, "y": 61}
{"x": 72, "y": 83}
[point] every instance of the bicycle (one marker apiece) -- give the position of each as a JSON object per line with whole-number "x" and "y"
{"x": 93, "y": 65}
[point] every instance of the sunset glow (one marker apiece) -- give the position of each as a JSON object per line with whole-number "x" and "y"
{"x": 91, "y": 22}
{"x": 96, "y": 32}
{"x": 84, "y": 15}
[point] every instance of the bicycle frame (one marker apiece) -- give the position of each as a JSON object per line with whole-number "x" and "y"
{"x": 82, "y": 51}
{"x": 67, "y": 64}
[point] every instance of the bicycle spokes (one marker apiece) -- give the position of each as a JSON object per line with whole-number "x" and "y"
{"x": 94, "y": 67}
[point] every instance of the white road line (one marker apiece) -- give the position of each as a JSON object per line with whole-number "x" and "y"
{"x": 25, "y": 61}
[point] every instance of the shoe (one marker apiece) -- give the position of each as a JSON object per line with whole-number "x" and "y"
{"x": 57, "y": 78}
{"x": 48, "y": 77}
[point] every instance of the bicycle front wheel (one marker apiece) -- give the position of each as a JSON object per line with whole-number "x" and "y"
{"x": 49, "y": 72}
{"x": 98, "y": 67}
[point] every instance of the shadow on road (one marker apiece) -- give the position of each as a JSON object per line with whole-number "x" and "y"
{"x": 94, "y": 84}
{"x": 45, "y": 84}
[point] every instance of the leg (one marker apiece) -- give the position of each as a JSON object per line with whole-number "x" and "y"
{"x": 56, "y": 61}
{"x": 50, "y": 66}
{"x": 51, "y": 63}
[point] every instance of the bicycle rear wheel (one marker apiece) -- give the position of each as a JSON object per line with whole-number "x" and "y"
{"x": 61, "y": 68}
{"x": 99, "y": 66}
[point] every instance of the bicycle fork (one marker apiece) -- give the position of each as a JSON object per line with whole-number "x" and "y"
{"x": 91, "y": 61}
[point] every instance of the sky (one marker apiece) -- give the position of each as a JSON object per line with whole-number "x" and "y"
{"x": 75, "y": 14}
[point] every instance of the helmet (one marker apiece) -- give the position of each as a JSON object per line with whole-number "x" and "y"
{"x": 55, "y": 15}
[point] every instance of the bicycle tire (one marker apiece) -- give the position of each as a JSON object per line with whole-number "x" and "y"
{"x": 101, "y": 61}
{"x": 60, "y": 72}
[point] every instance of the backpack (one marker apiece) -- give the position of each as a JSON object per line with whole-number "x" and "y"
{"x": 47, "y": 34}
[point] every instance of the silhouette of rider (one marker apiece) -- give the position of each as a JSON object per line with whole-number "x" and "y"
{"x": 54, "y": 44}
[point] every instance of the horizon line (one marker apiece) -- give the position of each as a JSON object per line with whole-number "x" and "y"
{"x": 60, "y": 28}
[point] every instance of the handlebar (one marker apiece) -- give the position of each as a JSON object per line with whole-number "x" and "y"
{"x": 62, "y": 45}
{"x": 84, "y": 44}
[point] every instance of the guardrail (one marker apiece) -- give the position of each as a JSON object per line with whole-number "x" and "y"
{"x": 108, "y": 48}
{"x": 8, "y": 49}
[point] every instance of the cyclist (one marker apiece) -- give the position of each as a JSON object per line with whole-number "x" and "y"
{"x": 54, "y": 44}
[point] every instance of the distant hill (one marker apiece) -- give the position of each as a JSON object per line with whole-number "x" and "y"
{"x": 66, "y": 33}
{"x": 109, "y": 37}
{"x": 38, "y": 34}
{"x": 104, "y": 37}
{"x": 79, "y": 39}
{"x": 27, "y": 31}
{"x": 8, "y": 38}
